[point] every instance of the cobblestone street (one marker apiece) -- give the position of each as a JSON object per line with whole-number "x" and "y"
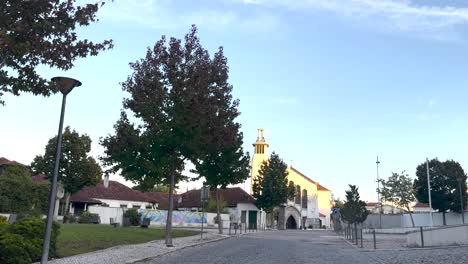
{"x": 305, "y": 247}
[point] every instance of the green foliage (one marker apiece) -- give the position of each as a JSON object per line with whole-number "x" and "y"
{"x": 87, "y": 218}
{"x": 212, "y": 208}
{"x": 28, "y": 233}
{"x": 354, "y": 210}
{"x": 3, "y": 220}
{"x": 152, "y": 188}
{"x": 13, "y": 249}
{"x": 398, "y": 189}
{"x": 42, "y": 32}
{"x": 270, "y": 188}
{"x": 20, "y": 194}
{"x": 133, "y": 216}
{"x": 77, "y": 168}
{"x": 445, "y": 192}
{"x": 175, "y": 92}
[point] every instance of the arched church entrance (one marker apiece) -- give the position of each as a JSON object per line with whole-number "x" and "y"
{"x": 291, "y": 223}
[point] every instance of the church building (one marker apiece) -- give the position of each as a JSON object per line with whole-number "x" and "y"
{"x": 311, "y": 206}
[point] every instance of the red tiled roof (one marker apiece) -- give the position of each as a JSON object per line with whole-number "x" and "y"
{"x": 321, "y": 188}
{"x": 115, "y": 191}
{"x": 5, "y": 161}
{"x": 421, "y": 205}
{"x": 232, "y": 196}
{"x": 162, "y": 199}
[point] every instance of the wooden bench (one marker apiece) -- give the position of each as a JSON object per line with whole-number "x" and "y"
{"x": 113, "y": 222}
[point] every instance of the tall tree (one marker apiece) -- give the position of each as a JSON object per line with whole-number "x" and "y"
{"x": 167, "y": 94}
{"x": 398, "y": 189}
{"x": 354, "y": 209}
{"x": 270, "y": 188}
{"x": 444, "y": 185}
{"x": 77, "y": 168}
{"x": 42, "y": 32}
{"x": 219, "y": 156}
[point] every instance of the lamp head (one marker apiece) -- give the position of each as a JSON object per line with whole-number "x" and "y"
{"x": 65, "y": 84}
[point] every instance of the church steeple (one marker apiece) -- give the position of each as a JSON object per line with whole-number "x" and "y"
{"x": 260, "y": 145}
{"x": 260, "y": 155}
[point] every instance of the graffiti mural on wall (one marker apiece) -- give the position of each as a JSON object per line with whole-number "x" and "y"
{"x": 178, "y": 217}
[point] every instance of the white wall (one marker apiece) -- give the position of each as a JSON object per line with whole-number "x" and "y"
{"x": 420, "y": 219}
{"x": 445, "y": 236}
{"x": 105, "y": 213}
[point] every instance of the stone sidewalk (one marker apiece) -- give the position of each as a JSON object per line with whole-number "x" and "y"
{"x": 138, "y": 252}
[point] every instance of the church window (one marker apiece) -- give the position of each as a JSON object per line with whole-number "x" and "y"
{"x": 304, "y": 198}
{"x": 291, "y": 187}
{"x": 298, "y": 194}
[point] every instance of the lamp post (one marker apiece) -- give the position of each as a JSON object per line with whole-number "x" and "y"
{"x": 461, "y": 179}
{"x": 65, "y": 86}
{"x": 378, "y": 193}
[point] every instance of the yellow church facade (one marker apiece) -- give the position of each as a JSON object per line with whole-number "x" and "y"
{"x": 312, "y": 204}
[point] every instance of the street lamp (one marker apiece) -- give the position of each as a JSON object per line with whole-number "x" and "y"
{"x": 461, "y": 179}
{"x": 65, "y": 86}
{"x": 378, "y": 193}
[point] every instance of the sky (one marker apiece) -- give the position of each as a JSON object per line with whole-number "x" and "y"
{"x": 334, "y": 83}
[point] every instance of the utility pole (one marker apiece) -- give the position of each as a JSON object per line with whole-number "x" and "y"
{"x": 429, "y": 190}
{"x": 378, "y": 193}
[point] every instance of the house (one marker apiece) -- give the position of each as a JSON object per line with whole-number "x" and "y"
{"x": 4, "y": 163}
{"x": 239, "y": 204}
{"x": 114, "y": 194}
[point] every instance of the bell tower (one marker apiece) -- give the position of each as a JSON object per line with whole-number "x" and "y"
{"x": 260, "y": 155}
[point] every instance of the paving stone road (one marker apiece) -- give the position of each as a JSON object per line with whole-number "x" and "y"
{"x": 304, "y": 247}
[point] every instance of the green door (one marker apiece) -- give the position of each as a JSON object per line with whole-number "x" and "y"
{"x": 252, "y": 219}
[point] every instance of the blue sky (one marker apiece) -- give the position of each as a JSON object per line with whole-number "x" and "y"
{"x": 333, "y": 83}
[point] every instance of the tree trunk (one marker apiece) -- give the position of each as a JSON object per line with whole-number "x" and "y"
{"x": 272, "y": 219}
{"x": 410, "y": 214}
{"x": 169, "y": 212}
{"x": 443, "y": 217}
{"x": 66, "y": 207}
{"x": 218, "y": 214}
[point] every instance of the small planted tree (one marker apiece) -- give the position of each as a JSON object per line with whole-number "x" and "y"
{"x": 354, "y": 209}
{"x": 398, "y": 189}
{"x": 270, "y": 188}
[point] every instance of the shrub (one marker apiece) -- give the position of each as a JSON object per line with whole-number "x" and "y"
{"x": 133, "y": 216}
{"x": 13, "y": 249}
{"x": 3, "y": 220}
{"x": 32, "y": 231}
{"x": 71, "y": 219}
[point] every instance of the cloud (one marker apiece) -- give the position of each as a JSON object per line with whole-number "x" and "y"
{"x": 168, "y": 14}
{"x": 401, "y": 15}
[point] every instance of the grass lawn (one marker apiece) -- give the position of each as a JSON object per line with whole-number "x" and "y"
{"x": 81, "y": 238}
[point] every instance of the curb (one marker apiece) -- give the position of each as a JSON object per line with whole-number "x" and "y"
{"x": 401, "y": 249}
{"x": 177, "y": 249}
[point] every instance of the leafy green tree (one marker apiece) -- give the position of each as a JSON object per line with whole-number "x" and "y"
{"x": 218, "y": 154}
{"x": 167, "y": 97}
{"x": 77, "y": 169}
{"x": 20, "y": 194}
{"x": 445, "y": 193}
{"x": 164, "y": 188}
{"x": 398, "y": 189}
{"x": 270, "y": 188}
{"x": 354, "y": 209}
{"x": 42, "y": 32}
